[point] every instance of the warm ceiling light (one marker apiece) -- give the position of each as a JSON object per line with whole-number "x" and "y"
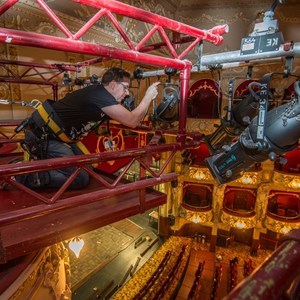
{"x": 246, "y": 179}
{"x": 295, "y": 183}
{"x": 76, "y": 245}
{"x": 200, "y": 175}
{"x": 240, "y": 225}
{"x": 195, "y": 219}
{"x": 285, "y": 230}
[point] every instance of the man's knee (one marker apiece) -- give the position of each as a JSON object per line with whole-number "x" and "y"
{"x": 82, "y": 180}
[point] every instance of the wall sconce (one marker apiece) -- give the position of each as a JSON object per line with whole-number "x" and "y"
{"x": 295, "y": 183}
{"x": 76, "y": 244}
{"x": 240, "y": 225}
{"x": 195, "y": 219}
{"x": 285, "y": 230}
{"x": 246, "y": 179}
{"x": 200, "y": 175}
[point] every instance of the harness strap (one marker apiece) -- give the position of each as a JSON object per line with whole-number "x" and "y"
{"x": 45, "y": 115}
{"x": 85, "y": 150}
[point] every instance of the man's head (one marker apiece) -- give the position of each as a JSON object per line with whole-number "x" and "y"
{"x": 116, "y": 81}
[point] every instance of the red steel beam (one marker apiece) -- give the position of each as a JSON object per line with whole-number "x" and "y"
{"x": 6, "y": 5}
{"x": 184, "y": 89}
{"x": 11, "y": 217}
{"x": 11, "y": 36}
{"x": 87, "y": 159}
{"x": 63, "y": 67}
{"x": 213, "y": 35}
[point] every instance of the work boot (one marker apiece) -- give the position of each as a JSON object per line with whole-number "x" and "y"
{"x": 34, "y": 180}
{"x": 3, "y": 184}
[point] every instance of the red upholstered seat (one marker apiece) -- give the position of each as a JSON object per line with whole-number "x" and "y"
{"x": 280, "y": 211}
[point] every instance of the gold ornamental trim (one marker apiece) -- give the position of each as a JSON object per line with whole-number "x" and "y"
{"x": 280, "y": 226}
{"x": 237, "y": 221}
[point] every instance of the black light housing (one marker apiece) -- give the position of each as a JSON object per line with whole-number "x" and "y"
{"x": 281, "y": 135}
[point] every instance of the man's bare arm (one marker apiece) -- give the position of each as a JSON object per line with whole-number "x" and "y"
{"x": 132, "y": 118}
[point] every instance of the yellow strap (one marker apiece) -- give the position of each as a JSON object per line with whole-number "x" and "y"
{"x": 85, "y": 150}
{"x": 54, "y": 127}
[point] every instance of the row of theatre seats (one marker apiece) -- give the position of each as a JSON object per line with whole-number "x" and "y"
{"x": 160, "y": 275}
{"x": 216, "y": 282}
{"x": 233, "y": 271}
{"x": 233, "y": 280}
{"x": 196, "y": 282}
{"x": 158, "y": 284}
{"x": 248, "y": 268}
{"x": 286, "y": 212}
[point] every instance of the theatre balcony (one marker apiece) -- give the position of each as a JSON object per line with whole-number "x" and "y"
{"x": 238, "y": 207}
{"x": 283, "y": 205}
{"x": 197, "y": 197}
{"x": 291, "y": 163}
{"x": 239, "y": 201}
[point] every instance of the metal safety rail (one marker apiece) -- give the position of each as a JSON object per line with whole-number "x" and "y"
{"x": 34, "y": 69}
{"x": 81, "y": 162}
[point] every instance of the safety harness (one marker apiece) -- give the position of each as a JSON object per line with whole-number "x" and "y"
{"x": 45, "y": 115}
{"x": 49, "y": 123}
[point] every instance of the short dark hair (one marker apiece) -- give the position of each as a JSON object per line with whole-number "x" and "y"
{"x": 116, "y": 74}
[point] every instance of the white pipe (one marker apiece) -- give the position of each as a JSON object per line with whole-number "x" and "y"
{"x": 235, "y": 56}
{"x": 234, "y": 59}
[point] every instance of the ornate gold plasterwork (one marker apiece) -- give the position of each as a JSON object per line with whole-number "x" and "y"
{"x": 205, "y": 126}
{"x": 188, "y": 216}
{"x": 4, "y": 91}
{"x": 285, "y": 19}
{"x": 152, "y": 6}
{"x": 285, "y": 180}
{"x": 237, "y": 221}
{"x": 280, "y": 226}
{"x": 50, "y": 269}
{"x": 200, "y": 174}
{"x": 249, "y": 178}
{"x": 217, "y": 19}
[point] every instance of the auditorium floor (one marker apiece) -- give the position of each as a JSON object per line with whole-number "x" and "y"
{"x": 113, "y": 252}
{"x": 109, "y": 270}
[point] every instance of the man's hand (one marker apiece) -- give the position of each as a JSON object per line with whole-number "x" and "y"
{"x": 151, "y": 92}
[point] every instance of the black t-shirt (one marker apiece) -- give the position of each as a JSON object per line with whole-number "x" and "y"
{"x": 80, "y": 110}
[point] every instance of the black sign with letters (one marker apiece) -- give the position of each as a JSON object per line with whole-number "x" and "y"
{"x": 260, "y": 44}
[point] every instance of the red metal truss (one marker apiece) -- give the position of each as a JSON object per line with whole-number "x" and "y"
{"x": 33, "y": 69}
{"x": 106, "y": 8}
{"x": 81, "y": 162}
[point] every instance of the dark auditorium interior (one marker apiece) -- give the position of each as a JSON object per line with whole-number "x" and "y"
{"x": 202, "y": 199}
